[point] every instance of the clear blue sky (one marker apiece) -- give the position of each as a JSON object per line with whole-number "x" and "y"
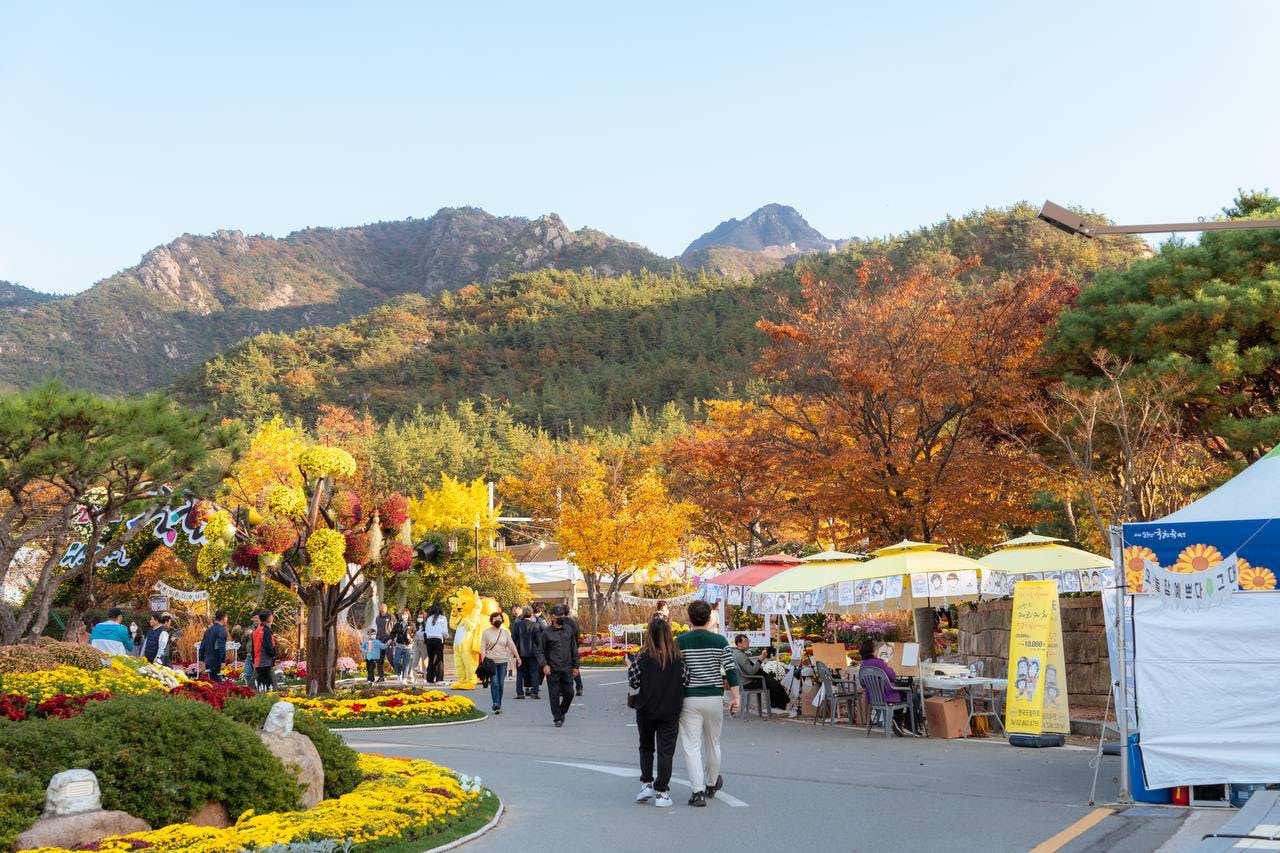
{"x": 123, "y": 125}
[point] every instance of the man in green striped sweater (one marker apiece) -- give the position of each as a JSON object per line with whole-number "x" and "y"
{"x": 710, "y": 663}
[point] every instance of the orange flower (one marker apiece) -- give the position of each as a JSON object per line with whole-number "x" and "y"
{"x": 1256, "y": 578}
{"x": 1197, "y": 558}
{"x": 1134, "y": 571}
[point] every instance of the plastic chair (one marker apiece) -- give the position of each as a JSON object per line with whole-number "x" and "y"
{"x": 876, "y": 685}
{"x": 760, "y": 694}
{"x": 833, "y": 698}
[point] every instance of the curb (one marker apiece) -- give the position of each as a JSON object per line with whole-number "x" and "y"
{"x": 410, "y": 726}
{"x": 452, "y": 845}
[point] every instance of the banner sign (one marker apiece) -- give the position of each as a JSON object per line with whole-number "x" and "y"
{"x": 653, "y": 602}
{"x": 1191, "y": 590}
{"x": 180, "y": 595}
{"x": 168, "y": 521}
{"x": 1037, "y": 695}
{"x": 943, "y": 584}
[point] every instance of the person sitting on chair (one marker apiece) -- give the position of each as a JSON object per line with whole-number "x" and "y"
{"x": 753, "y": 673}
{"x": 900, "y": 722}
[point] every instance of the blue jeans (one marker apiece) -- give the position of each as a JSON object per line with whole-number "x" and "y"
{"x": 495, "y": 684}
{"x": 400, "y": 659}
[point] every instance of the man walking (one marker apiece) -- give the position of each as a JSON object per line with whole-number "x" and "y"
{"x": 710, "y": 662}
{"x": 157, "y": 643}
{"x": 110, "y": 631}
{"x": 572, "y": 622}
{"x": 213, "y": 646}
{"x": 557, "y": 655}
{"x": 264, "y": 651}
{"x": 524, "y": 632}
{"x": 246, "y": 643}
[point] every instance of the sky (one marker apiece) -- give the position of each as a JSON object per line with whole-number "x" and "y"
{"x": 124, "y": 125}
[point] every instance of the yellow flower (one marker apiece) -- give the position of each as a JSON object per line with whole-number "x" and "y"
{"x": 1134, "y": 570}
{"x": 1255, "y": 578}
{"x": 1197, "y": 558}
{"x": 287, "y": 503}
{"x": 219, "y": 528}
{"x": 326, "y": 548}
{"x": 321, "y": 461}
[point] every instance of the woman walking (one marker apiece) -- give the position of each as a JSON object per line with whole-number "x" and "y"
{"x": 497, "y": 647}
{"x": 434, "y": 632}
{"x": 660, "y": 676}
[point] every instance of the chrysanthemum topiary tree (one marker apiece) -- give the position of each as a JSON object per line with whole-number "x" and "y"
{"x": 294, "y": 518}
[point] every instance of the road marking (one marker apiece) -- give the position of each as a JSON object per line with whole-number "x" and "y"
{"x": 1072, "y": 832}
{"x": 630, "y": 772}
{"x": 610, "y": 683}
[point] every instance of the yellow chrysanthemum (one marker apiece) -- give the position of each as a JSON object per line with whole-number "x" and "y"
{"x": 1197, "y": 558}
{"x": 321, "y": 461}
{"x": 287, "y": 503}
{"x": 213, "y": 558}
{"x": 1134, "y": 570}
{"x": 325, "y": 548}
{"x": 219, "y": 527}
{"x": 1255, "y": 578}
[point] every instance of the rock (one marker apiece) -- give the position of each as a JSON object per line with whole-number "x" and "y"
{"x": 296, "y": 752}
{"x": 75, "y": 830}
{"x": 72, "y": 792}
{"x": 279, "y": 720}
{"x": 211, "y": 814}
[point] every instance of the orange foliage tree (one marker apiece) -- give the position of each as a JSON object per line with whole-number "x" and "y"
{"x": 885, "y": 384}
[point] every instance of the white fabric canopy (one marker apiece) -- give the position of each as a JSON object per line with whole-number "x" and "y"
{"x": 1251, "y": 494}
{"x": 1206, "y": 691}
{"x": 552, "y": 571}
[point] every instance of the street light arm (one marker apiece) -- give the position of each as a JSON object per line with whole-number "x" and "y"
{"x": 1073, "y": 223}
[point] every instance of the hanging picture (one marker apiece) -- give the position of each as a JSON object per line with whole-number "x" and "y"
{"x": 794, "y": 602}
{"x": 877, "y": 589}
{"x": 844, "y": 593}
{"x": 735, "y": 595}
{"x": 920, "y": 586}
{"x": 1070, "y": 582}
{"x": 780, "y": 602}
{"x": 893, "y": 587}
{"x": 861, "y": 592}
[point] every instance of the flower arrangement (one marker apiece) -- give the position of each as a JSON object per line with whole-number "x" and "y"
{"x": 399, "y": 799}
{"x": 275, "y": 537}
{"x": 389, "y": 709}
{"x": 357, "y": 550}
{"x": 606, "y": 656}
{"x": 322, "y": 461}
{"x": 285, "y": 502}
{"x": 399, "y": 557}
{"x": 326, "y": 548}
{"x": 17, "y": 708}
{"x": 393, "y": 511}
{"x": 123, "y": 677}
{"x": 213, "y": 694}
{"x": 346, "y": 664}
{"x": 347, "y": 507}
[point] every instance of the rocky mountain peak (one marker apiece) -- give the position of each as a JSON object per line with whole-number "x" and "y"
{"x": 776, "y": 228}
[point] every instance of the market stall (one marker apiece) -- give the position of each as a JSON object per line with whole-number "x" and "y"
{"x": 1036, "y": 557}
{"x": 1204, "y": 628}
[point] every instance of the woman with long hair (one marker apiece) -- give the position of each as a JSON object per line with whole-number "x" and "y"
{"x": 434, "y": 631}
{"x": 659, "y": 675}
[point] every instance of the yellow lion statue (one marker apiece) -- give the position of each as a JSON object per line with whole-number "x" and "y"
{"x": 469, "y": 617}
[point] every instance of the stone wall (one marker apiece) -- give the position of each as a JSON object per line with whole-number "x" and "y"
{"x": 984, "y": 635}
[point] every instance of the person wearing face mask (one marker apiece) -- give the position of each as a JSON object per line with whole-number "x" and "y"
{"x": 401, "y": 642}
{"x": 497, "y": 647}
{"x": 557, "y": 652}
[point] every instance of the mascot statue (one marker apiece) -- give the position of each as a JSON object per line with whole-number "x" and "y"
{"x": 469, "y": 616}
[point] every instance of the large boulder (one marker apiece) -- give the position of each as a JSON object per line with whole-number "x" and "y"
{"x": 77, "y": 830}
{"x": 295, "y": 751}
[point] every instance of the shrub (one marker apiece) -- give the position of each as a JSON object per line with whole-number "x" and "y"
{"x": 155, "y": 757}
{"x": 25, "y": 658}
{"x": 341, "y": 773}
{"x": 74, "y": 654}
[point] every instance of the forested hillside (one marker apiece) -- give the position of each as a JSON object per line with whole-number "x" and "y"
{"x": 566, "y": 348}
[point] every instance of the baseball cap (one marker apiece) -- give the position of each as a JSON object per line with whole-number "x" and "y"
{"x": 559, "y": 610}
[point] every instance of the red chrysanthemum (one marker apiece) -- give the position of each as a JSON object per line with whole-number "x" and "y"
{"x": 246, "y": 556}
{"x": 357, "y": 550}
{"x": 275, "y": 537}
{"x": 393, "y": 511}
{"x": 347, "y": 509}
{"x": 399, "y": 557}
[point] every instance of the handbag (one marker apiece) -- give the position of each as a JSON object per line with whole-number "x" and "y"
{"x": 487, "y": 670}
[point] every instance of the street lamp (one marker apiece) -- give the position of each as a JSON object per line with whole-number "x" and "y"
{"x": 1073, "y": 223}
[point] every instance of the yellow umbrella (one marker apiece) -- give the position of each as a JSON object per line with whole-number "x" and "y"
{"x": 825, "y": 569}
{"x": 1035, "y": 553}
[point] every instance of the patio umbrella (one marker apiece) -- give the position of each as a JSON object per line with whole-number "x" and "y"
{"x": 1047, "y": 557}
{"x": 753, "y": 573}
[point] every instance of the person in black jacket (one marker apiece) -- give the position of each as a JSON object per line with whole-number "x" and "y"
{"x": 660, "y": 676}
{"x": 557, "y": 654}
{"x": 525, "y": 634}
{"x": 383, "y": 624}
{"x": 572, "y": 622}
{"x": 213, "y": 646}
{"x": 156, "y": 646}
{"x": 264, "y": 651}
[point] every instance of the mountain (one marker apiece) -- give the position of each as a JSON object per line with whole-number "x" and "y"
{"x": 16, "y": 296}
{"x": 774, "y": 230}
{"x": 186, "y": 301}
{"x": 568, "y": 349}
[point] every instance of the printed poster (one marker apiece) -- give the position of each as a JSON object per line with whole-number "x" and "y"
{"x": 893, "y": 587}
{"x": 1070, "y": 581}
{"x": 1192, "y": 590}
{"x": 1037, "y": 696}
{"x": 735, "y": 595}
{"x": 844, "y": 593}
{"x": 920, "y": 586}
{"x": 794, "y": 602}
{"x": 861, "y": 592}
{"x": 877, "y": 589}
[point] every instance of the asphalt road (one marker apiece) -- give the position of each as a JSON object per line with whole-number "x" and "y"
{"x": 788, "y": 785}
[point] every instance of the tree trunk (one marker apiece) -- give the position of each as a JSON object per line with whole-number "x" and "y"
{"x": 593, "y": 610}
{"x": 322, "y": 641}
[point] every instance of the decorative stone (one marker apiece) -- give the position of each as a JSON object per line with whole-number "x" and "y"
{"x": 77, "y": 830}
{"x": 295, "y": 751}
{"x": 72, "y": 792}
{"x": 279, "y": 720}
{"x": 211, "y": 814}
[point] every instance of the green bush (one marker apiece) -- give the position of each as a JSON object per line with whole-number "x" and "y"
{"x": 156, "y": 757}
{"x": 341, "y": 773}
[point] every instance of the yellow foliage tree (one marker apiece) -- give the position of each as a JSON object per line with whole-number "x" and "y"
{"x": 454, "y": 507}
{"x": 270, "y": 460}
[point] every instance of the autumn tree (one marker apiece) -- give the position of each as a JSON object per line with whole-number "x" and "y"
{"x": 612, "y": 520}
{"x": 884, "y": 386}
{"x": 73, "y": 466}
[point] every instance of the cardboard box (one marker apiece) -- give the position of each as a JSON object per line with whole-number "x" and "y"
{"x": 948, "y": 717}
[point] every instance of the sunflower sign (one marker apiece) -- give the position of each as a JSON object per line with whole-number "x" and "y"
{"x": 1192, "y": 590}
{"x": 1037, "y": 694}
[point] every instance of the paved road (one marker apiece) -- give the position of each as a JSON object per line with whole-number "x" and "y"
{"x": 789, "y": 785}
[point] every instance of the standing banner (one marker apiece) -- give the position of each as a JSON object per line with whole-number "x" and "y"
{"x": 1037, "y": 695}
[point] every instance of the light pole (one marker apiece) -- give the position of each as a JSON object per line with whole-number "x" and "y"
{"x": 1073, "y": 223}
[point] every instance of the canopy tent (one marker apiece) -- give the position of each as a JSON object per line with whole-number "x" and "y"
{"x": 843, "y": 585}
{"x": 753, "y": 573}
{"x": 1075, "y": 570}
{"x": 1206, "y": 665}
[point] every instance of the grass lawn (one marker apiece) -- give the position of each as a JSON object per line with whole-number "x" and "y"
{"x": 488, "y": 808}
{"x": 380, "y": 722}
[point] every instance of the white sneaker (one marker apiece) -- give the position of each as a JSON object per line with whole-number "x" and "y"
{"x": 646, "y": 793}
{"x": 794, "y": 712}
{"x": 662, "y": 800}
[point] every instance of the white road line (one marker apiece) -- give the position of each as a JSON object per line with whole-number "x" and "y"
{"x": 630, "y": 772}
{"x": 608, "y": 683}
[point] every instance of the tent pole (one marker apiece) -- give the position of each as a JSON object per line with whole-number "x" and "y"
{"x": 1122, "y": 691}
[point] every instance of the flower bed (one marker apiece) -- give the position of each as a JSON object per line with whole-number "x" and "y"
{"x": 394, "y": 708}
{"x": 606, "y": 657}
{"x": 399, "y": 800}
{"x": 125, "y": 676}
